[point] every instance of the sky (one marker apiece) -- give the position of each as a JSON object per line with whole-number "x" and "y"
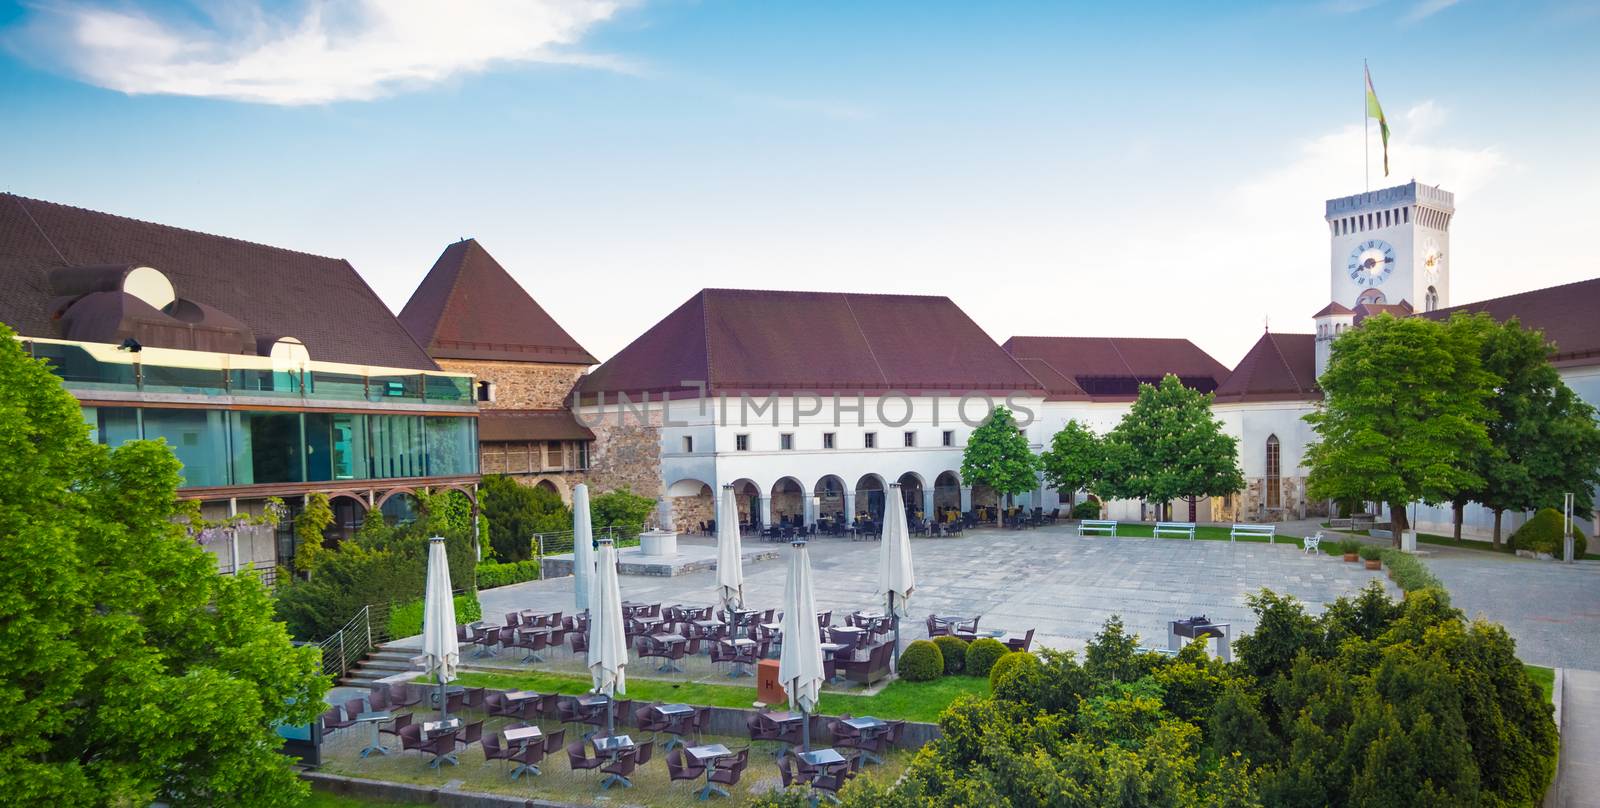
{"x": 1055, "y": 168}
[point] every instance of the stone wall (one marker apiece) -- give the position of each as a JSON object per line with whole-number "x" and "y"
{"x": 520, "y": 385}
{"x": 626, "y": 454}
{"x": 689, "y": 512}
{"x": 1291, "y": 498}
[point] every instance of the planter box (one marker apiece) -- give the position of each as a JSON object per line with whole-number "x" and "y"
{"x": 1375, "y": 564}
{"x": 1352, "y": 557}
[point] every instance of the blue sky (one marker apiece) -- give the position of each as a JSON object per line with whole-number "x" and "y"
{"x": 1055, "y": 168}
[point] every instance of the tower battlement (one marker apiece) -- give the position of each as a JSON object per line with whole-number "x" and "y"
{"x": 1411, "y": 193}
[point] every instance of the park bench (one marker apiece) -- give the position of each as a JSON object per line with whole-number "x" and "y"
{"x": 1184, "y": 529}
{"x": 1107, "y": 526}
{"x": 1251, "y": 531}
{"x": 1312, "y": 543}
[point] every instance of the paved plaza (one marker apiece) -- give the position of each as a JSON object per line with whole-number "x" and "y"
{"x": 1048, "y": 579}
{"x": 1551, "y": 609}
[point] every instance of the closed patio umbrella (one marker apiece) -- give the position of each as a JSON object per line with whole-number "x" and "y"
{"x": 582, "y": 547}
{"x": 896, "y": 580}
{"x": 608, "y": 640}
{"x": 439, "y": 620}
{"x": 800, "y": 664}
{"x": 730, "y": 557}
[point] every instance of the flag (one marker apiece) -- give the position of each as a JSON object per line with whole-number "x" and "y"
{"x": 1376, "y": 111}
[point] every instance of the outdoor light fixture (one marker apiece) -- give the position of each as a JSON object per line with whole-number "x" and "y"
{"x": 130, "y": 345}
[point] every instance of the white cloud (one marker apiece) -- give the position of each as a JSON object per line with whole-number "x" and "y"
{"x": 1428, "y": 8}
{"x": 324, "y": 51}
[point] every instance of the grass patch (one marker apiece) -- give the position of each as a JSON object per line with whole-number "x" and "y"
{"x": 1479, "y": 545}
{"x": 1146, "y": 530}
{"x": 322, "y": 799}
{"x": 1545, "y": 678}
{"x": 912, "y": 701}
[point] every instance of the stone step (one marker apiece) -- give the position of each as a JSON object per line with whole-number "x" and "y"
{"x": 391, "y": 665}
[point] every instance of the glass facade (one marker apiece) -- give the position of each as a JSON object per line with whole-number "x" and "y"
{"x": 250, "y": 447}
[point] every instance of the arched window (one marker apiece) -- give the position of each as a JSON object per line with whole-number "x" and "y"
{"x": 1430, "y": 301}
{"x": 485, "y": 391}
{"x": 1273, "y": 499}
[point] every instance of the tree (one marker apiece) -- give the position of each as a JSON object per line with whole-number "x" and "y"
{"x": 1542, "y": 437}
{"x": 997, "y": 455}
{"x": 515, "y": 512}
{"x": 130, "y": 670}
{"x": 1402, "y": 417}
{"x": 1169, "y": 447}
{"x": 1074, "y": 460}
{"x": 621, "y": 509}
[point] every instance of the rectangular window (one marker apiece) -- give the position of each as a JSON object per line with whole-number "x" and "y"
{"x": 688, "y": 444}
{"x": 871, "y": 440}
{"x": 452, "y": 446}
{"x": 827, "y": 440}
{"x": 199, "y": 438}
{"x": 397, "y": 445}
{"x": 786, "y": 441}
{"x": 583, "y": 455}
{"x": 268, "y": 447}
{"x": 949, "y": 437}
{"x": 741, "y": 443}
{"x": 911, "y": 439}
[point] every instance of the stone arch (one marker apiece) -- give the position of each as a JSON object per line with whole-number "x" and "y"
{"x": 349, "y": 514}
{"x": 829, "y": 492}
{"x": 788, "y": 501}
{"x": 947, "y": 491}
{"x": 464, "y": 490}
{"x": 694, "y": 505}
{"x": 547, "y": 485}
{"x": 912, "y": 490}
{"x": 747, "y": 494}
{"x": 870, "y": 491}
{"x": 400, "y": 506}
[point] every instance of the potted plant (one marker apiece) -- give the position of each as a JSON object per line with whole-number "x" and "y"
{"x": 1351, "y": 549}
{"x": 1373, "y": 556}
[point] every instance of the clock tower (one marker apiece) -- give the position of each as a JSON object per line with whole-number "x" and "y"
{"x": 1392, "y": 245}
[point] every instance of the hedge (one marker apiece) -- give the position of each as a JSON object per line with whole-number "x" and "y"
{"x": 982, "y": 653}
{"x": 492, "y": 574}
{"x": 405, "y": 619}
{"x": 921, "y": 662}
{"x": 1542, "y": 534}
{"x": 1086, "y": 510}
{"x": 954, "y": 650}
{"x": 1408, "y": 572}
{"x": 1007, "y": 662}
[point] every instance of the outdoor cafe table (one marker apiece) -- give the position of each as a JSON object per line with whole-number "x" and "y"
{"x": 520, "y": 736}
{"x": 705, "y": 756}
{"x": 669, "y": 640}
{"x": 611, "y": 746}
{"x": 430, "y": 728}
{"x": 833, "y": 648}
{"x": 821, "y": 758}
{"x": 868, "y": 727}
{"x": 374, "y": 718}
{"x": 676, "y": 715}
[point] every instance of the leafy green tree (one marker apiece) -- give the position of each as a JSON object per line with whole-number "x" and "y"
{"x": 516, "y": 512}
{"x": 130, "y": 671}
{"x": 621, "y": 509}
{"x": 1074, "y": 460}
{"x": 1169, "y": 446}
{"x": 997, "y": 455}
{"x": 1402, "y": 417}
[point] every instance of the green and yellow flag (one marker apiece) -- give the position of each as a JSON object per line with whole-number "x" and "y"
{"x": 1376, "y": 111}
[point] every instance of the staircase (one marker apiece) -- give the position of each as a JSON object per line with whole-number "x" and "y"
{"x": 383, "y": 661}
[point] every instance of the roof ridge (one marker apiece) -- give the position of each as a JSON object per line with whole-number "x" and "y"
{"x": 705, "y": 336}
{"x": 1279, "y": 351}
{"x": 816, "y": 293}
{"x": 872, "y": 353}
{"x": 235, "y": 239}
{"x": 1112, "y": 341}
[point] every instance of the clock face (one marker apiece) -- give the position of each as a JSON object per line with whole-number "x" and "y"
{"x": 1432, "y": 258}
{"x": 1371, "y": 262}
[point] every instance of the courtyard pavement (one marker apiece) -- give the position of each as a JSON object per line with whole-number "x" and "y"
{"x": 1048, "y": 579}
{"x": 1551, "y": 609}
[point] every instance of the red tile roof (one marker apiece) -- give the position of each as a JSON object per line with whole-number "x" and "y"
{"x": 469, "y": 307}
{"x": 1569, "y": 316}
{"x": 1365, "y": 310}
{"x": 529, "y": 425}
{"x": 275, "y": 292}
{"x": 767, "y": 341}
{"x": 1279, "y": 367}
{"x": 1111, "y": 368}
{"x": 1333, "y": 308}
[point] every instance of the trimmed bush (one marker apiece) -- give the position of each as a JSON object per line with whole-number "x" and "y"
{"x": 1542, "y": 534}
{"x": 1007, "y": 662}
{"x": 1409, "y": 573}
{"x": 921, "y": 662}
{"x": 955, "y": 653}
{"x": 405, "y": 619}
{"x": 1086, "y": 510}
{"x": 1350, "y": 547}
{"x": 982, "y": 654}
{"x": 492, "y": 574}
{"x": 1371, "y": 552}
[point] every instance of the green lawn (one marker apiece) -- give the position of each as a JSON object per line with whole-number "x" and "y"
{"x": 322, "y": 799}
{"x": 1546, "y": 677}
{"x": 912, "y": 701}
{"x": 1464, "y": 544}
{"x": 1145, "y": 530}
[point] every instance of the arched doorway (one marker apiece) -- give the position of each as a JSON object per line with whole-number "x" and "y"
{"x": 546, "y": 485}
{"x": 947, "y": 494}
{"x": 748, "y": 496}
{"x": 400, "y": 509}
{"x": 788, "y": 502}
{"x": 869, "y": 497}
{"x": 829, "y": 492}
{"x": 349, "y": 513}
{"x": 694, "y": 506}
{"x": 911, "y": 494}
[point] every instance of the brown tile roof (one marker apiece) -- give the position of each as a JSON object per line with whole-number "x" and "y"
{"x": 1334, "y": 308}
{"x": 1111, "y": 368}
{"x": 275, "y": 292}
{"x": 469, "y": 307}
{"x": 1365, "y": 310}
{"x": 1057, "y": 386}
{"x": 527, "y": 425}
{"x": 1569, "y": 316}
{"x": 767, "y": 341}
{"x": 1279, "y": 367}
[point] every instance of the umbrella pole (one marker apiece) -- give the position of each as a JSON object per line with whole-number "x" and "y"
{"x": 894, "y": 661}
{"x": 805, "y": 730}
{"x": 444, "y": 706}
{"x": 611, "y": 709}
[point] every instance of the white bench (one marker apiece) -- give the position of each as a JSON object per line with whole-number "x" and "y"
{"x": 1312, "y": 543}
{"x": 1107, "y": 526}
{"x": 1184, "y": 529}
{"x": 1253, "y": 531}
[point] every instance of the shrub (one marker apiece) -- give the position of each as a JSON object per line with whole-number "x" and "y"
{"x": 1350, "y": 547}
{"x": 1086, "y": 510}
{"x": 491, "y": 574}
{"x": 1408, "y": 572}
{"x": 405, "y": 619}
{"x": 1007, "y": 662}
{"x": 921, "y": 662}
{"x": 621, "y": 509}
{"x": 1371, "y": 552}
{"x": 954, "y": 650}
{"x": 982, "y": 654}
{"x": 516, "y": 512}
{"x": 1542, "y": 534}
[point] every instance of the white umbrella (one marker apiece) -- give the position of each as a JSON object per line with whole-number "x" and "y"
{"x": 582, "y": 547}
{"x": 896, "y": 581}
{"x": 608, "y": 640}
{"x": 730, "y": 557}
{"x": 800, "y": 665}
{"x": 439, "y": 619}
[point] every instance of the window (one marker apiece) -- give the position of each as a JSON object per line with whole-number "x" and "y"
{"x": 1405, "y": 215}
{"x": 786, "y": 441}
{"x": 741, "y": 443}
{"x": 827, "y": 440}
{"x": 1430, "y": 301}
{"x": 871, "y": 440}
{"x": 911, "y": 439}
{"x": 486, "y": 391}
{"x": 688, "y": 444}
{"x": 949, "y": 438}
{"x": 1273, "y": 498}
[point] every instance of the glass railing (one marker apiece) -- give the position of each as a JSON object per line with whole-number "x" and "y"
{"x": 449, "y": 389}
{"x": 79, "y": 368}
{"x": 407, "y": 388}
